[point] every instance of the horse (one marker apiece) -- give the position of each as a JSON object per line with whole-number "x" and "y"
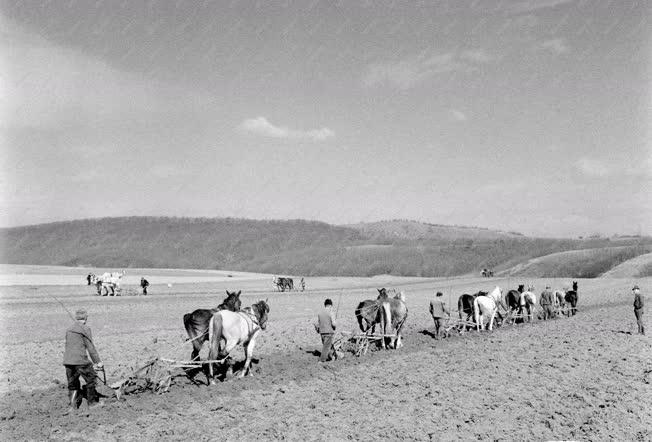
{"x": 393, "y": 313}
{"x": 196, "y": 323}
{"x": 228, "y": 329}
{"x": 465, "y": 306}
{"x": 368, "y": 315}
{"x": 487, "y": 304}
{"x": 513, "y": 300}
{"x": 571, "y": 297}
{"x": 283, "y": 283}
{"x": 528, "y": 301}
{"x": 560, "y": 301}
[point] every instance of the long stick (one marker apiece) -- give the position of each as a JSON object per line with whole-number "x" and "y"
{"x": 338, "y": 303}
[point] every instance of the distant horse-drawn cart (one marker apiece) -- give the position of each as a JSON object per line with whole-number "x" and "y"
{"x": 283, "y": 283}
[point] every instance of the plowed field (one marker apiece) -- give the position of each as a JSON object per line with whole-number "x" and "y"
{"x": 585, "y": 378}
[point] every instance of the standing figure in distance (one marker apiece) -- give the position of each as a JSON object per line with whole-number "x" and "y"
{"x": 546, "y": 301}
{"x": 326, "y": 328}
{"x": 638, "y": 309}
{"x": 439, "y": 311}
{"x": 144, "y": 284}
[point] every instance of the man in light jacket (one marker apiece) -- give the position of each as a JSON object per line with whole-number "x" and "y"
{"x": 326, "y": 328}
{"x": 439, "y": 311}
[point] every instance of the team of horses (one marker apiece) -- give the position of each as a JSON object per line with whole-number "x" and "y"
{"x": 225, "y": 327}
{"x": 229, "y": 325}
{"x": 517, "y": 305}
{"x": 283, "y": 283}
{"x": 106, "y": 283}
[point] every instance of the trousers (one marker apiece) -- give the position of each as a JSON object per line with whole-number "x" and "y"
{"x": 638, "y": 312}
{"x": 74, "y": 372}
{"x": 327, "y": 347}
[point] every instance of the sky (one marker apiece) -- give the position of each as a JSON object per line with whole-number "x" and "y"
{"x": 527, "y": 115}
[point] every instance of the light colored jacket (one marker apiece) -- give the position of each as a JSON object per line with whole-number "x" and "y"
{"x": 438, "y": 309}
{"x": 325, "y": 322}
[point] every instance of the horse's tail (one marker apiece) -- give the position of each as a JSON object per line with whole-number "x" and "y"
{"x": 460, "y": 307}
{"x": 386, "y": 317}
{"x": 476, "y": 313}
{"x": 214, "y": 337}
{"x": 360, "y": 317}
{"x": 191, "y": 330}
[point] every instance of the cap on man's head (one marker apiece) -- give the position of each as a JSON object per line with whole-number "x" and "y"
{"x": 439, "y": 294}
{"x": 81, "y": 315}
{"x": 328, "y": 302}
{"x": 547, "y": 286}
{"x": 635, "y": 287}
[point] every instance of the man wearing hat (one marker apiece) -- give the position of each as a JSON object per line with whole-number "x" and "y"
{"x": 79, "y": 342}
{"x": 546, "y": 301}
{"x": 638, "y": 309}
{"x": 439, "y": 311}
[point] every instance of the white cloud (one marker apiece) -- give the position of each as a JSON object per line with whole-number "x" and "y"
{"x": 526, "y": 6}
{"x": 592, "y": 167}
{"x": 556, "y": 45}
{"x": 261, "y": 126}
{"x": 459, "y": 115}
{"x": 406, "y": 73}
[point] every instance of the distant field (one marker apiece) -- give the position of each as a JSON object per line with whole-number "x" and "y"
{"x": 641, "y": 266}
{"x": 588, "y": 263}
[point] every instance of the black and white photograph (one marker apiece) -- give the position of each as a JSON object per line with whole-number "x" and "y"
{"x": 254, "y": 220}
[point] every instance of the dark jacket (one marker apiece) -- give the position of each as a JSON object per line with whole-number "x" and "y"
{"x": 638, "y": 301}
{"x": 79, "y": 341}
{"x": 546, "y": 298}
{"x": 326, "y": 322}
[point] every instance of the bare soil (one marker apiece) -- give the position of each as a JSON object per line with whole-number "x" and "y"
{"x": 582, "y": 378}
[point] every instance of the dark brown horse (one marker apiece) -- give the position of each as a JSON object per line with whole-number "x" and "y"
{"x": 368, "y": 315}
{"x": 513, "y": 299}
{"x": 465, "y": 305}
{"x": 196, "y": 323}
{"x": 571, "y": 298}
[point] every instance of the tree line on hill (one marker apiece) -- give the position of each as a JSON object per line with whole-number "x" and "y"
{"x": 296, "y": 247}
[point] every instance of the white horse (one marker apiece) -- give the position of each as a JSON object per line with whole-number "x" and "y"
{"x": 528, "y": 301}
{"x": 393, "y": 313}
{"x": 487, "y": 305}
{"x": 228, "y": 329}
{"x": 109, "y": 281}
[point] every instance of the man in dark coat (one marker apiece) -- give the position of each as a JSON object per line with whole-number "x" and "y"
{"x": 439, "y": 311}
{"x": 326, "y": 328}
{"x": 638, "y": 309}
{"x": 79, "y": 343}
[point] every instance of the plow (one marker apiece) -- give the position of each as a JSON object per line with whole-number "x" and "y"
{"x": 357, "y": 343}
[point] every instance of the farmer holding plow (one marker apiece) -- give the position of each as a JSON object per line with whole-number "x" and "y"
{"x": 79, "y": 342}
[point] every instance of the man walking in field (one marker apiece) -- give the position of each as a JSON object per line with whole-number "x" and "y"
{"x": 79, "y": 342}
{"x": 547, "y": 301}
{"x": 439, "y": 311}
{"x": 638, "y": 309}
{"x": 326, "y": 328}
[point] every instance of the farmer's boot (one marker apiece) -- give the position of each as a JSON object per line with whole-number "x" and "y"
{"x": 74, "y": 401}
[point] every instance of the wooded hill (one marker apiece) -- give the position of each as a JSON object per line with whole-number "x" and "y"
{"x": 294, "y": 247}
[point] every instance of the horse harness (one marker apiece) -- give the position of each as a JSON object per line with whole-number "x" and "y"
{"x": 253, "y": 323}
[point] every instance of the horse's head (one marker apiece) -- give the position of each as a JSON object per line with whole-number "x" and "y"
{"x": 382, "y": 293}
{"x": 521, "y": 288}
{"x": 400, "y": 295}
{"x": 261, "y": 310}
{"x": 575, "y": 285}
